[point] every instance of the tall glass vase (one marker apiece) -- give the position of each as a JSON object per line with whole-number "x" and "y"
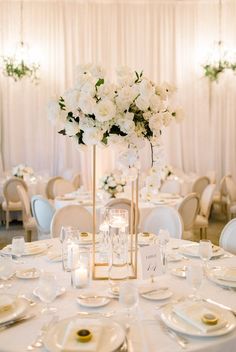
{"x": 118, "y": 266}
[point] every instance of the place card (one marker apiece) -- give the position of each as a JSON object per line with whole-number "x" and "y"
{"x": 151, "y": 261}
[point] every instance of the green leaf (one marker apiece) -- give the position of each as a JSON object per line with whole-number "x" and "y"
{"x": 99, "y": 82}
{"x": 62, "y": 132}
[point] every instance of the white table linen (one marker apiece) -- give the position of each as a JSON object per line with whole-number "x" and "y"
{"x": 146, "y": 334}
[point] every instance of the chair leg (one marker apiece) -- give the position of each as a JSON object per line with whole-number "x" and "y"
{"x": 29, "y": 235}
{"x": 7, "y": 219}
{"x": 200, "y": 233}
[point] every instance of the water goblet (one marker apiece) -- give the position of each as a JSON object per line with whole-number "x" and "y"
{"x": 128, "y": 297}
{"x": 47, "y": 290}
{"x": 17, "y": 247}
{"x": 6, "y": 271}
{"x": 164, "y": 238}
{"x": 194, "y": 276}
{"x": 205, "y": 252}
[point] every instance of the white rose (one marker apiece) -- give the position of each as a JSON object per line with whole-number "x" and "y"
{"x": 141, "y": 103}
{"x": 72, "y": 128}
{"x": 155, "y": 122}
{"x": 105, "y": 110}
{"x": 167, "y": 118}
{"x": 88, "y": 88}
{"x": 129, "y": 115}
{"x": 139, "y": 142}
{"x": 92, "y": 136}
{"x": 112, "y": 183}
{"x": 168, "y": 88}
{"x": 87, "y": 104}
{"x": 115, "y": 139}
{"x": 71, "y": 98}
{"x": 127, "y": 93}
{"x": 156, "y": 103}
{"x": 86, "y": 122}
{"x": 53, "y": 111}
{"x": 146, "y": 89}
{"x": 98, "y": 71}
{"x": 119, "y": 188}
{"x": 106, "y": 90}
{"x": 83, "y": 69}
{"x": 82, "y": 79}
{"x": 126, "y": 126}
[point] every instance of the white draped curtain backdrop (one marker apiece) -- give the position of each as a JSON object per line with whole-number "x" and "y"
{"x": 168, "y": 40}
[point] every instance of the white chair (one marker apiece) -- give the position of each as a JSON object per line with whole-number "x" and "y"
{"x": 228, "y": 237}
{"x": 11, "y": 198}
{"x": 123, "y": 203}
{"x": 211, "y": 174}
{"x": 220, "y": 197}
{"x": 188, "y": 210}
{"x": 49, "y": 186}
{"x": 200, "y": 184}
{"x": 61, "y": 187}
{"x": 165, "y": 218}
{"x": 29, "y": 222}
{"x": 171, "y": 186}
{"x": 43, "y": 213}
{"x": 202, "y": 218}
{"x": 231, "y": 190}
{"x": 71, "y": 215}
{"x": 76, "y": 181}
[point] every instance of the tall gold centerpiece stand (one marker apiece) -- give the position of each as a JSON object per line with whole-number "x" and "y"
{"x": 100, "y": 269}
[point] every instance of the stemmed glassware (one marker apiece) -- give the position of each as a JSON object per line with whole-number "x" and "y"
{"x": 128, "y": 297}
{"x": 205, "y": 252}
{"x": 6, "y": 271}
{"x": 47, "y": 290}
{"x": 164, "y": 238}
{"x": 17, "y": 247}
{"x": 104, "y": 234}
{"x": 194, "y": 277}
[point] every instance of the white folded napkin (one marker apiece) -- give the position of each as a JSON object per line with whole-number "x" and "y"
{"x": 6, "y": 303}
{"x": 226, "y": 274}
{"x": 54, "y": 256}
{"x": 192, "y": 313}
{"x": 70, "y": 342}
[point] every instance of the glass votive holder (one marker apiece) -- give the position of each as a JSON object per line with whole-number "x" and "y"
{"x": 80, "y": 273}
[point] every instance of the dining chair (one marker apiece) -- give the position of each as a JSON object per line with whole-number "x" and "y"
{"x": 29, "y": 222}
{"x": 171, "y": 186}
{"x": 202, "y": 219}
{"x": 228, "y": 238}
{"x": 49, "y": 186}
{"x": 188, "y": 210}
{"x": 43, "y": 212}
{"x": 164, "y": 218}
{"x": 200, "y": 184}
{"x": 61, "y": 187}
{"x": 71, "y": 215}
{"x": 76, "y": 181}
{"x": 123, "y": 203}
{"x": 231, "y": 201}
{"x": 220, "y": 197}
{"x": 11, "y": 200}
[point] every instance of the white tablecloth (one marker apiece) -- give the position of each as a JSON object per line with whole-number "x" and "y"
{"x": 146, "y": 334}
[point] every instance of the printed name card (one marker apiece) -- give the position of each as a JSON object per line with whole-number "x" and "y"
{"x": 151, "y": 261}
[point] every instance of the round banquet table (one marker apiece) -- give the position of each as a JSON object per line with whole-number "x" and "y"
{"x": 146, "y": 334}
{"x": 145, "y": 207}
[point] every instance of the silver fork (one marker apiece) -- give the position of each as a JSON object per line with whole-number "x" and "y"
{"x": 181, "y": 340}
{"x": 38, "y": 342}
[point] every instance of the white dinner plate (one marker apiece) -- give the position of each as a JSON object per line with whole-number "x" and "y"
{"x": 157, "y": 295}
{"x": 30, "y": 273}
{"x": 212, "y": 276}
{"x": 192, "y": 250}
{"x": 30, "y": 249}
{"x": 180, "y": 271}
{"x": 18, "y": 308}
{"x": 91, "y": 301}
{"x": 60, "y": 291}
{"x": 174, "y": 257}
{"x": 180, "y": 325}
{"x": 111, "y": 337}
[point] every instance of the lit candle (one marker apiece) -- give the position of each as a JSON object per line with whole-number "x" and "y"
{"x": 80, "y": 277}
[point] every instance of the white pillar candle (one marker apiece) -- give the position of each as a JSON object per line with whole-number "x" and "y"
{"x": 80, "y": 276}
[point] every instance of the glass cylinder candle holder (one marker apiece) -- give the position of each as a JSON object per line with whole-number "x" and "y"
{"x": 80, "y": 273}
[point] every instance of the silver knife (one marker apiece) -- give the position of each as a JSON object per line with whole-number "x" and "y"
{"x": 220, "y": 305}
{"x": 11, "y": 323}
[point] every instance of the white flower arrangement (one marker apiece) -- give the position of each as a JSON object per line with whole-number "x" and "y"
{"x": 112, "y": 184}
{"x": 98, "y": 112}
{"x": 22, "y": 170}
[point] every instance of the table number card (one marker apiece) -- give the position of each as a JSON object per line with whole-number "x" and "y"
{"x": 151, "y": 261}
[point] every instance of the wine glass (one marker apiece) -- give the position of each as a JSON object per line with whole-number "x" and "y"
{"x": 205, "y": 252}
{"x": 194, "y": 277}
{"x": 128, "y": 297}
{"x": 17, "y": 247}
{"x": 164, "y": 237}
{"x": 6, "y": 271}
{"x": 47, "y": 290}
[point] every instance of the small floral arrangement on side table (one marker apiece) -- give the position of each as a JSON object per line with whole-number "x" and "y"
{"x": 22, "y": 170}
{"x": 112, "y": 184}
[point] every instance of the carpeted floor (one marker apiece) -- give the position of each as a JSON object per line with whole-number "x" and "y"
{"x": 216, "y": 223}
